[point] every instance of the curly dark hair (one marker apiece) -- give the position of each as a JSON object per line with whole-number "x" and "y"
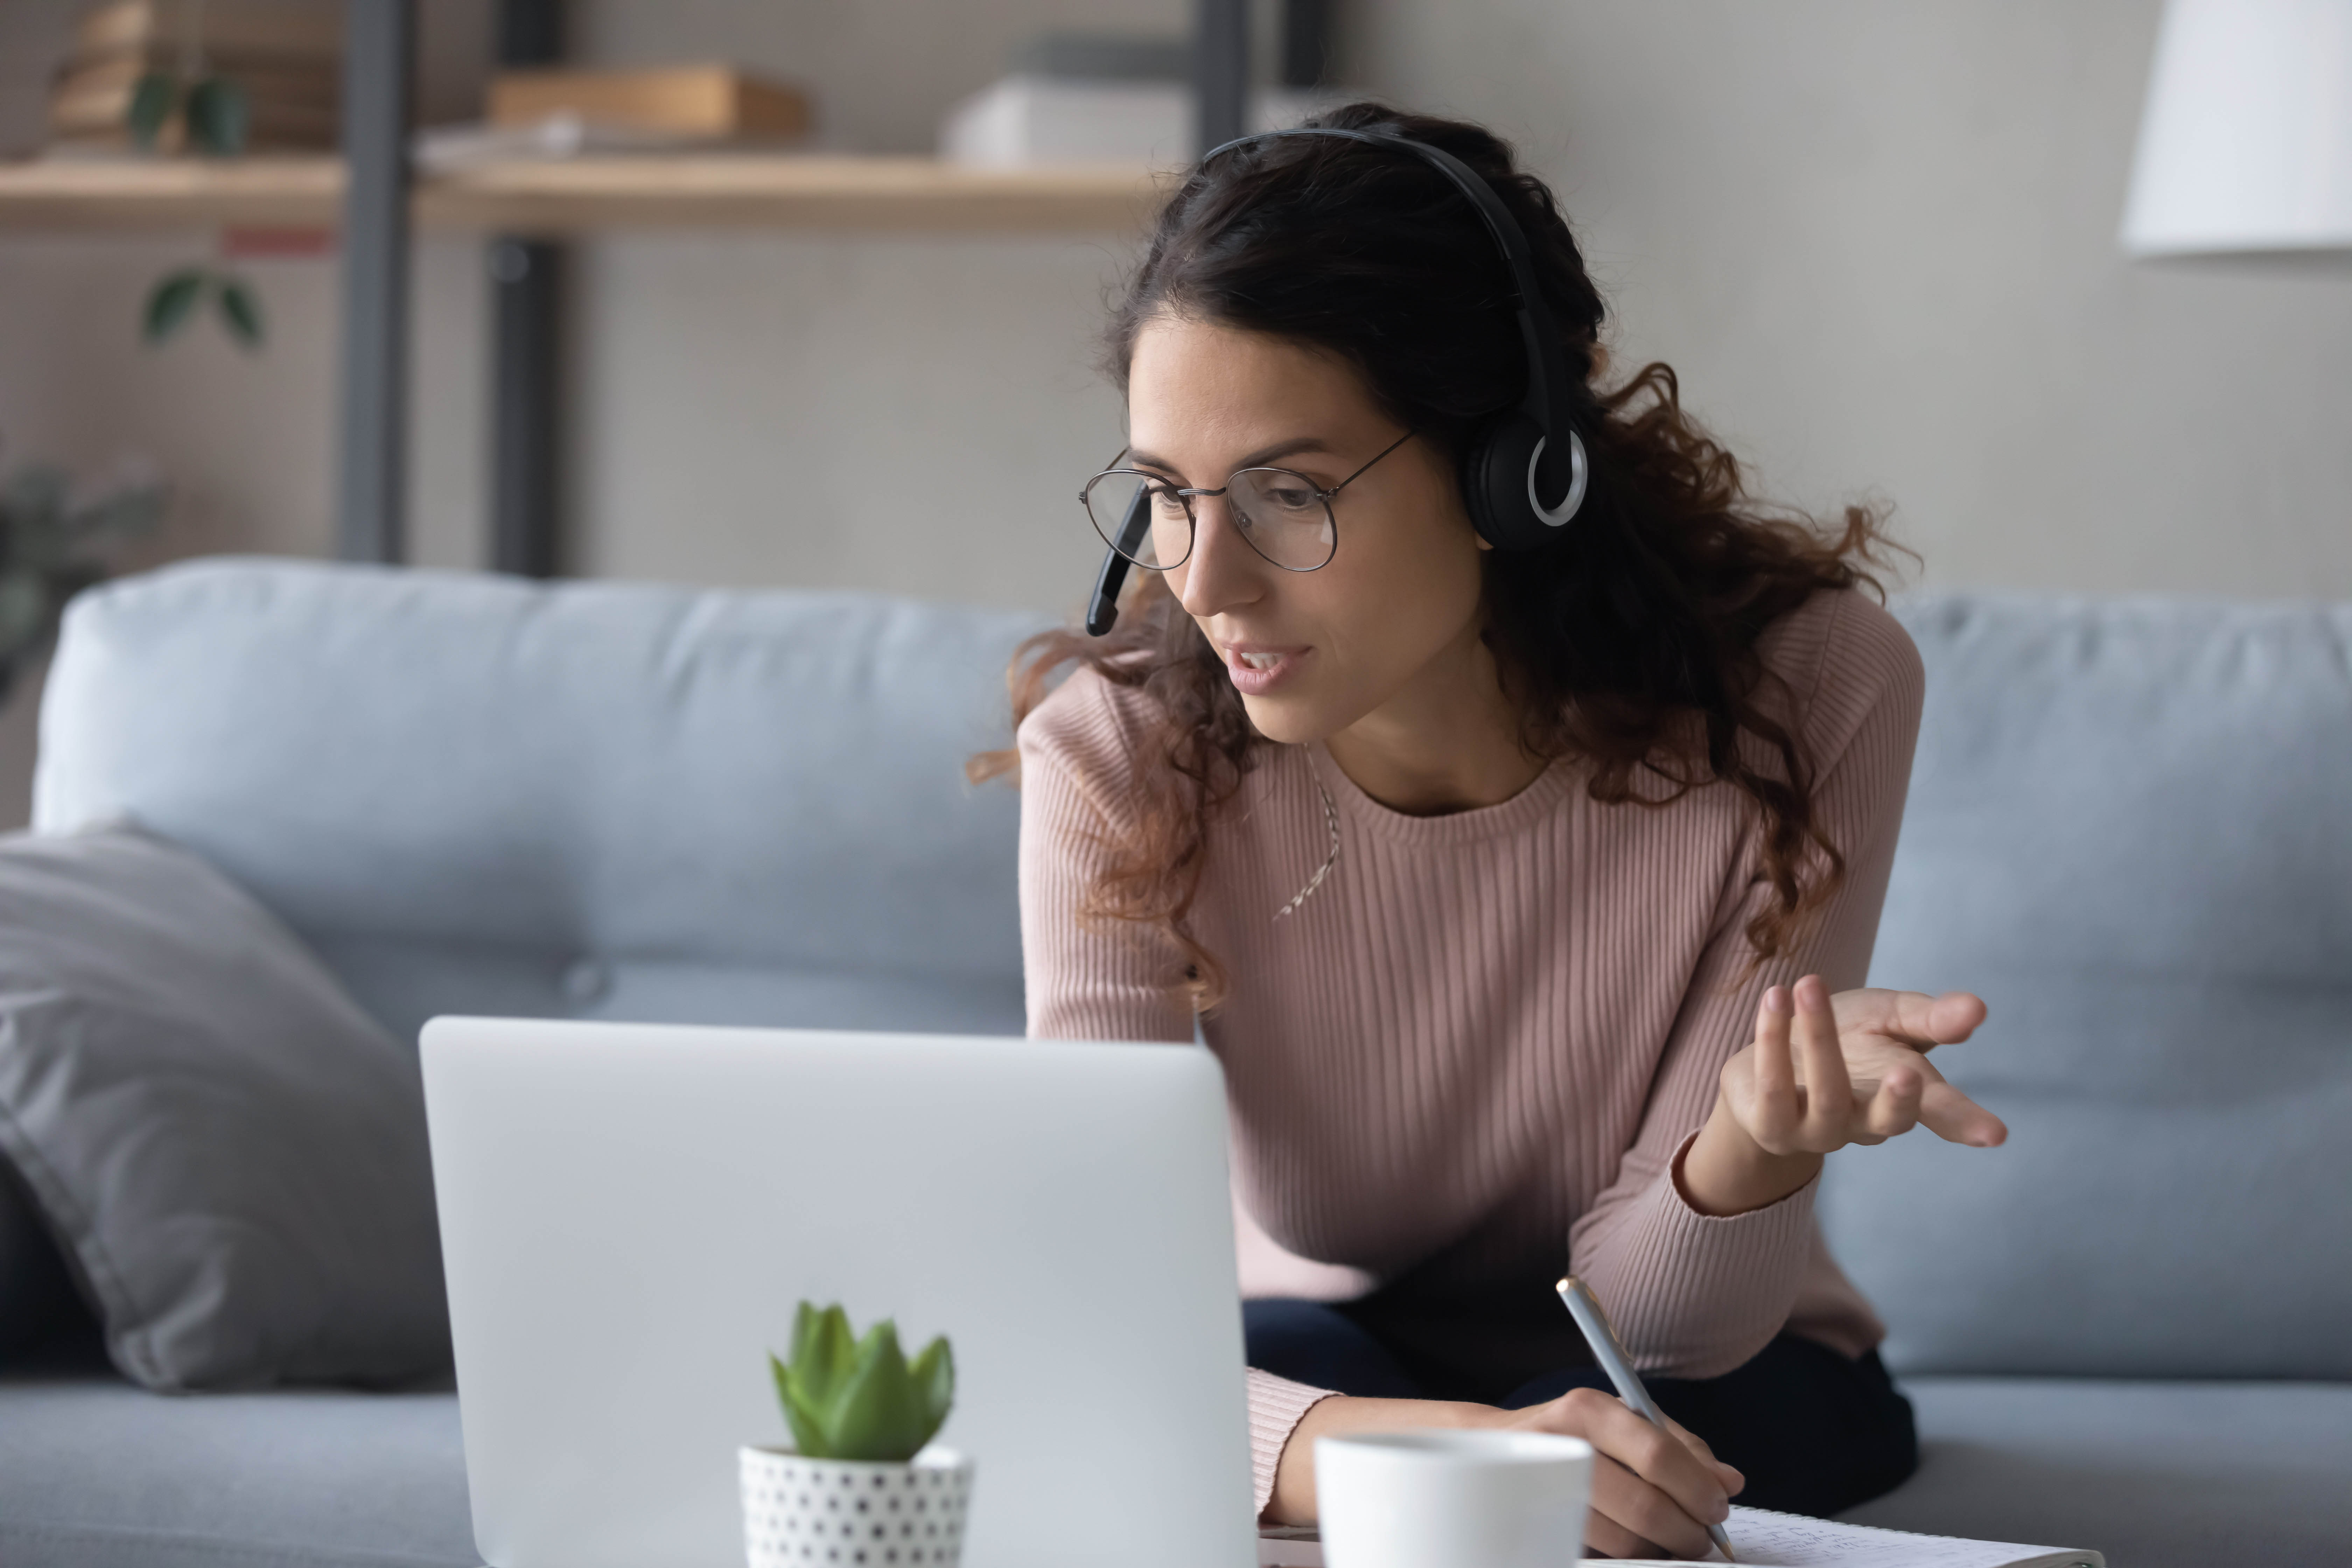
{"x": 1629, "y": 641}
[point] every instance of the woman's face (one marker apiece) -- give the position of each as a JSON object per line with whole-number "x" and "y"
{"x": 1393, "y": 614}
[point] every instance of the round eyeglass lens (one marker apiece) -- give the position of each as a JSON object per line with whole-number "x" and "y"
{"x": 1284, "y": 517}
{"x": 1140, "y": 517}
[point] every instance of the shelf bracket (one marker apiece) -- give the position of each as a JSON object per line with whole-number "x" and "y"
{"x": 379, "y": 46}
{"x": 1220, "y": 72}
{"x": 526, "y": 348}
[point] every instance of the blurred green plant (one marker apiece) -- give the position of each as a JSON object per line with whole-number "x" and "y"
{"x": 52, "y": 546}
{"x": 851, "y": 1398}
{"x": 176, "y": 295}
{"x": 213, "y": 115}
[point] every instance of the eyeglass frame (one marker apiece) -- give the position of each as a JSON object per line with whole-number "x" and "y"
{"x": 1192, "y": 519}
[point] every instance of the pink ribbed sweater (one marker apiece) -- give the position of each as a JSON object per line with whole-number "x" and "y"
{"x": 1488, "y": 1034}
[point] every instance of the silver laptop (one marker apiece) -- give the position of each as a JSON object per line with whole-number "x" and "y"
{"x": 629, "y": 1214}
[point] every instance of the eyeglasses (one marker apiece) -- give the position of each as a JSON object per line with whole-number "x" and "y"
{"x": 1282, "y": 515}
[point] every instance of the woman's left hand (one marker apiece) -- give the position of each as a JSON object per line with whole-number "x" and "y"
{"x": 1825, "y": 1071}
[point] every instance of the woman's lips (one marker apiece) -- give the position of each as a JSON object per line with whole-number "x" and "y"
{"x": 1257, "y": 670}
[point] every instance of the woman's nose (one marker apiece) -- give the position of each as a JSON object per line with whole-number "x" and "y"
{"x": 1220, "y": 575}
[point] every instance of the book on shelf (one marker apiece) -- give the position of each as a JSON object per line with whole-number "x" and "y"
{"x": 311, "y": 28}
{"x": 102, "y": 119}
{"x": 261, "y": 75}
{"x": 703, "y": 102}
{"x": 283, "y": 55}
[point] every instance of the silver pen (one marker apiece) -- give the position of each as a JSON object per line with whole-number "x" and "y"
{"x": 1585, "y": 1307}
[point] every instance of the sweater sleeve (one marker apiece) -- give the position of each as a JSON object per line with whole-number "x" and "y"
{"x": 1084, "y": 981}
{"x": 1694, "y": 1295}
{"x": 1095, "y": 985}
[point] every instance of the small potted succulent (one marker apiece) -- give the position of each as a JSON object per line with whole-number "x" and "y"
{"x": 858, "y": 1485}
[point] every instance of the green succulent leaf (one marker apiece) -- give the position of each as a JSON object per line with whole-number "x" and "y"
{"x": 240, "y": 311}
{"x": 153, "y": 97}
{"x": 849, "y": 1398}
{"x": 822, "y": 1355}
{"x": 934, "y": 1374}
{"x": 219, "y": 114}
{"x": 172, "y": 300}
{"x": 808, "y": 1432}
{"x": 879, "y": 1414}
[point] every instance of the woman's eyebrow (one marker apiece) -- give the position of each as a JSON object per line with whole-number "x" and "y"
{"x": 1290, "y": 449}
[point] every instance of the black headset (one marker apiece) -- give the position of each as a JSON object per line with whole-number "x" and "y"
{"x": 1505, "y": 456}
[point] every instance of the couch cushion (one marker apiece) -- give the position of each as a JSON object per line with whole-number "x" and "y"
{"x": 233, "y": 1153}
{"x": 94, "y": 1470}
{"x": 2130, "y": 829}
{"x": 2154, "y": 1475}
{"x": 600, "y": 800}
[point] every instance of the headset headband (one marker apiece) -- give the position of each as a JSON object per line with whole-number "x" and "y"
{"x": 1503, "y": 456}
{"x": 1546, "y": 370}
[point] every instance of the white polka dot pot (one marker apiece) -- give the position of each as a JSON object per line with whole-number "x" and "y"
{"x": 852, "y": 1513}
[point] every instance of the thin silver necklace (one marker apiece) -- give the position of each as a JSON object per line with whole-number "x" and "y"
{"x": 1330, "y": 822}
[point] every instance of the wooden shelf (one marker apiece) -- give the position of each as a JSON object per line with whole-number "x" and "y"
{"x": 585, "y": 195}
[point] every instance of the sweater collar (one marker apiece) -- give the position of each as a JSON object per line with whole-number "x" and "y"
{"x": 1524, "y": 810}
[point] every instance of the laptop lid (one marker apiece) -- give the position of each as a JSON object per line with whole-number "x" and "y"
{"x": 629, "y": 1214}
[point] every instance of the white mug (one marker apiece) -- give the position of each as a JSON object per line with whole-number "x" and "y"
{"x": 1453, "y": 1500}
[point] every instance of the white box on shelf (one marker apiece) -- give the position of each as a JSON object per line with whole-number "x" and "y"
{"x": 1021, "y": 120}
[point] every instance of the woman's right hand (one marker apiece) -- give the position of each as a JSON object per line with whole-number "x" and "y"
{"x": 1654, "y": 1492}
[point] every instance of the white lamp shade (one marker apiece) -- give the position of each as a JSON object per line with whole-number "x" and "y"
{"x": 2246, "y": 143}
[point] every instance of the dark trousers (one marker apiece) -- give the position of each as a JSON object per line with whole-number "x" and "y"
{"x": 1814, "y": 1432}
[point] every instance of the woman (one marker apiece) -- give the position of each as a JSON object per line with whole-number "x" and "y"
{"x": 1510, "y": 889}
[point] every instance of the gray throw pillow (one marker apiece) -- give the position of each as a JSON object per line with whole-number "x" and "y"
{"x": 231, "y": 1152}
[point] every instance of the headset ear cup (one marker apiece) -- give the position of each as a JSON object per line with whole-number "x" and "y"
{"x": 1495, "y": 483}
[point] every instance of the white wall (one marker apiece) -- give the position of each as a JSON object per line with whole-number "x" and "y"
{"x": 1876, "y": 239}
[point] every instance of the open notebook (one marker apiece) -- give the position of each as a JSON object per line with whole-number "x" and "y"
{"x": 1767, "y": 1539}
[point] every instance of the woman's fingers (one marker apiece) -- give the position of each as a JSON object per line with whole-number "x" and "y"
{"x": 1645, "y": 1520}
{"x": 1604, "y": 1534}
{"x": 1680, "y": 1493}
{"x": 1895, "y": 1109}
{"x": 1778, "y": 1108}
{"x": 1828, "y": 1093}
{"x": 1918, "y": 1020}
{"x": 1655, "y": 1490}
{"x": 1733, "y": 1482}
{"x": 1955, "y": 1118}
{"x": 1953, "y": 1017}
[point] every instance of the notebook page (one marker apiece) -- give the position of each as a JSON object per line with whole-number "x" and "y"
{"x": 1767, "y": 1539}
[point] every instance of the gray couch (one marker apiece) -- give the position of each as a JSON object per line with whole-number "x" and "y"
{"x": 2131, "y": 827}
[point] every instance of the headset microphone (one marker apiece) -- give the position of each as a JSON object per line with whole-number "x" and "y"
{"x": 1102, "y": 610}
{"x": 1503, "y": 466}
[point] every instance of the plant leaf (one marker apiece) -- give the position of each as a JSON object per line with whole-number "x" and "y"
{"x": 35, "y": 497}
{"x": 934, "y": 1375}
{"x": 173, "y": 298}
{"x": 219, "y": 114}
{"x": 240, "y": 311}
{"x": 808, "y": 1433}
{"x": 879, "y": 1414}
{"x": 823, "y": 1351}
{"x": 153, "y": 99}
{"x": 125, "y": 513}
{"x": 24, "y": 612}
